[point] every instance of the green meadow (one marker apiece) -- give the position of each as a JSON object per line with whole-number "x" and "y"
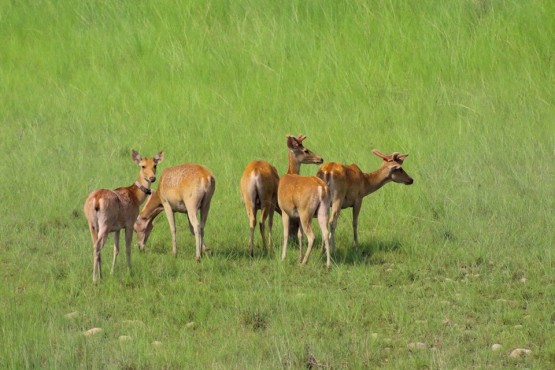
{"x": 459, "y": 261}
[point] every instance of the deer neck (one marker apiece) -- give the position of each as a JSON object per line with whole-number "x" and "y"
{"x": 141, "y": 189}
{"x": 375, "y": 180}
{"x": 294, "y": 165}
{"x": 152, "y": 208}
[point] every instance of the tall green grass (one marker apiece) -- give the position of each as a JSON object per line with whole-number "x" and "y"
{"x": 460, "y": 260}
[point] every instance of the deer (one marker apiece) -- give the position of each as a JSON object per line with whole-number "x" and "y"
{"x": 303, "y": 197}
{"x": 259, "y": 187}
{"x": 348, "y": 186}
{"x": 110, "y": 211}
{"x": 187, "y": 188}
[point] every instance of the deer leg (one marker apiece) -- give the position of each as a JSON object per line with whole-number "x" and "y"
{"x": 192, "y": 212}
{"x": 335, "y": 211}
{"x": 300, "y": 239}
{"x": 97, "y": 262}
{"x": 285, "y": 219}
{"x": 116, "y": 250}
{"x": 262, "y": 224}
{"x": 271, "y": 210}
{"x": 323, "y": 221}
{"x": 171, "y": 220}
{"x": 307, "y": 227}
{"x": 356, "y": 211}
{"x": 252, "y": 225}
{"x": 128, "y": 241}
{"x": 204, "y": 210}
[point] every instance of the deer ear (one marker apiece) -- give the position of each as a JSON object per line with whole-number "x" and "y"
{"x": 135, "y": 156}
{"x": 401, "y": 157}
{"x": 300, "y": 138}
{"x": 379, "y": 154}
{"x": 159, "y": 157}
{"x": 292, "y": 142}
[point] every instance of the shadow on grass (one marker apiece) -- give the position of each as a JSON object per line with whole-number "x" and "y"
{"x": 367, "y": 253}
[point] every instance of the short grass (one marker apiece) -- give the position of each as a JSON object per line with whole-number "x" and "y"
{"x": 459, "y": 261}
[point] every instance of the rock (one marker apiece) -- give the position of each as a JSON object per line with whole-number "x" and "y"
{"x": 157, "y": 343}
{"x": 123, "y": 338}
{"x": 518, "y": 326}
{"x": 71, "y": 315}
{"x": 92, "y": 331}
{"x": 496, "y": 347}
{"x": 519, "y": 352}
{"x": 417, "y": 345}
{"x": 374, "y": 335}
{"x": 190, "y": 325}
{"x": 523, "y": 280}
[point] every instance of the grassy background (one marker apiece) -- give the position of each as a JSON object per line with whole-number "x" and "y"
{"x": 460, "y": 260}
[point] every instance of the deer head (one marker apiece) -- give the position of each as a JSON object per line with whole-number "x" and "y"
{"x": 392, "y": 163}
{"x": 300, "y": 153}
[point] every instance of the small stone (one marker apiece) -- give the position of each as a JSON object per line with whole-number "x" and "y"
{"x": 518, "y": 352}
{"x": 71, "y": 315}
{"x": 123, "y": 338}
{"x": 523, "y": 280}
{"x": 190, "y": 325}
{"x": 496, "y": 347}
{"x": 92, "y": 331}
{"x": 157, "y": 343}
{"x": 518, "y": 326}
{"x": 374, "y": 335}
{"x": 417, "y": 345}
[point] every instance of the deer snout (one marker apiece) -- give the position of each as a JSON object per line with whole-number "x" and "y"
{"x": 152, "y": 179}
{"x": 409, "y": 181}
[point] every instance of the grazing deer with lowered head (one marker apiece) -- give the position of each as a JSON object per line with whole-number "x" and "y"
{"x": 259, "y": 188}
{"x": 112, "y": 210}
{"x": 349, "y": 185}
{"x": 187, "y": 188}
{"x": 302, "y": 197}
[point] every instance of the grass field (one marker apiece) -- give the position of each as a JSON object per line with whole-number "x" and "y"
{"x": 459, "y": 261}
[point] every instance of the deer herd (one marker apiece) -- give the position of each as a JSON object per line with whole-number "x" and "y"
{"x": 188, "y": 188}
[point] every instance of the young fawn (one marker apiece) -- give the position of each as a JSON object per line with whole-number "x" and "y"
{"x": 112, "y": 210}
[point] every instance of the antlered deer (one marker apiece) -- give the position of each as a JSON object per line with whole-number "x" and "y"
{"x": 302, "y": 197}
{"x": 187, "y": 188}
{"x": 349, "y": 185}
{"x": 112, "y": 210}
{"x": 259, "y": 187}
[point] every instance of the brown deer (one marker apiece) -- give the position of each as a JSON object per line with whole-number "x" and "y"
{"x": 187, "y": 188}
{"x": 112, "y": 210}
{"x": 259, "y": 187}
{"x": 349, "y": 185}
{"x": 302, "y": 197}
